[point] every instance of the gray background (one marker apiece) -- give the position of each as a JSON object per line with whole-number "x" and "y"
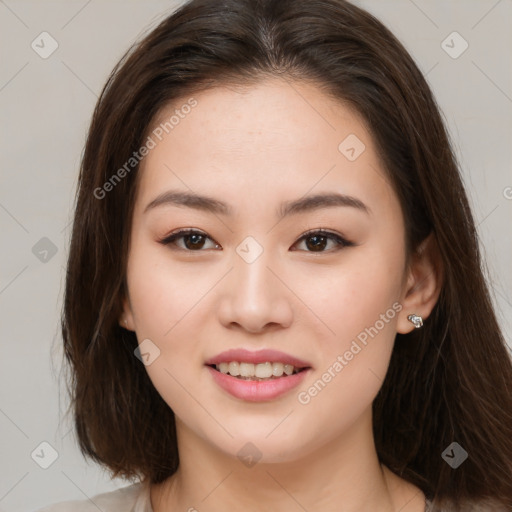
{"x": 46, "y": 105}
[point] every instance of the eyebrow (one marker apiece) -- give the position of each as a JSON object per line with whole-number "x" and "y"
{"x": 212, "y": 205}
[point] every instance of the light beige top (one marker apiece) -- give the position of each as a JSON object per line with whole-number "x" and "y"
{"x": 133, "y": 498}
{"x": 136, "y": 498}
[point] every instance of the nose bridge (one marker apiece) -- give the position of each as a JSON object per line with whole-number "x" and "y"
{"x": 253, "y": 281}
{"x": 254, "y": 297}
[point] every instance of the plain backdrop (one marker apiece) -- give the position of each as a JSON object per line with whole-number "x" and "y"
{"x": 46, "y": 104}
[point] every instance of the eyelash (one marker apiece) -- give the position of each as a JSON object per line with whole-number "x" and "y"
{"x": 342, "y": 242}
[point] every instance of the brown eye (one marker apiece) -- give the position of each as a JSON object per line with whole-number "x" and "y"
{"x": 316, "y": 241}
{"x": 193, "y": 240}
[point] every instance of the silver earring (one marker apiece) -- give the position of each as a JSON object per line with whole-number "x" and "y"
{"x": 416, "y": 320}
{"x": 126, "y": 323}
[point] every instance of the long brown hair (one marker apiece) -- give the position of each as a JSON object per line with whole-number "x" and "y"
{"x": 447, "y": 382}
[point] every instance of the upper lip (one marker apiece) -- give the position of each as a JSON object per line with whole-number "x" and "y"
{"x": 259, "y": 356}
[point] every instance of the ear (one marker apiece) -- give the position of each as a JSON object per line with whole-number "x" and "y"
{"x": 126, "y": 318}
{"x": 422, "y": 285}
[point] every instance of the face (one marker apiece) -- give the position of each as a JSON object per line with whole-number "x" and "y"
{"x": 320, "y": 281}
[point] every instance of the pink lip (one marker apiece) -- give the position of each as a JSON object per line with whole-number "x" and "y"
{"x": 257, "y": 391}
{"x": 260, "y": 356}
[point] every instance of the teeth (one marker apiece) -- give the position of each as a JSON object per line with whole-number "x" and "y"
{"x": 277, "y": 369}
{"x": 234, "y": 368}
{"x": 260, "y": 371}
{"x": 288, "y": 369}
{"x": 263, "y": 370}
{"x": 246, "y": 370}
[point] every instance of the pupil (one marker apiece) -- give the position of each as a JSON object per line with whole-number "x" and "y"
{"x": 196, "y": 239}
{"x": 317, "y": 244}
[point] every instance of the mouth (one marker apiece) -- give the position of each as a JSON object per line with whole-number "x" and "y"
{"x": 259, "y": 376}
{"x": 269, "y": 370}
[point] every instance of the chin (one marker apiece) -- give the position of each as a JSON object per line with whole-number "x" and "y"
{"x": 259, "y": 449}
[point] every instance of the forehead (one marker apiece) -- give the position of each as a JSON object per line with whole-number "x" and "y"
{"x": 274, "y": 136}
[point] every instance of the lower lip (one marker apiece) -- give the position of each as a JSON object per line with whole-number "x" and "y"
{"x": 257, "y": 391}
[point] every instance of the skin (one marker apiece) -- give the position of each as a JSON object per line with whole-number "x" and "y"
{"x": 254, "y": 148}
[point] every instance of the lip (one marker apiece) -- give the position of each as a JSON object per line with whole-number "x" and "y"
{"x": 259, "y": 356}
{"x": 257, "y": 391}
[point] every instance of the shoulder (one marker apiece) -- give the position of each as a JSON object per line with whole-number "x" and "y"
{"x": 133, "y": 498}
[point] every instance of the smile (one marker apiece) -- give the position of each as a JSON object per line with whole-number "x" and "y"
{"x": 257, "y": 389}
{"x": 262, "y": 371}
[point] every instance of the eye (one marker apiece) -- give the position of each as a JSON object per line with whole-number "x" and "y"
{"x": 317, "y": 240}
{"x": 194, "y": 240}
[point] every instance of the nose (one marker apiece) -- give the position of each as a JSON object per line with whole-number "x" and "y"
{"x": 254, "y": 297}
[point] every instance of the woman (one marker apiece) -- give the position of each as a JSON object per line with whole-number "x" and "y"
{"x": 274, "y": 297}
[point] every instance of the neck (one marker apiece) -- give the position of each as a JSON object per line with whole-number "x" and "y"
{"x": 343, "y": 475}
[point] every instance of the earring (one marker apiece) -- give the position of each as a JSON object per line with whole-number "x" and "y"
{"x": 416, "y": 320}
{"x": 126, "y": 323}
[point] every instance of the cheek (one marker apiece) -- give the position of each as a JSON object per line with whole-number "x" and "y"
{"x": 345, "y": 300}
{"x": 162, "y": 294}
{"x": 358, "y": 306}
{"x": 164, "y": 299}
